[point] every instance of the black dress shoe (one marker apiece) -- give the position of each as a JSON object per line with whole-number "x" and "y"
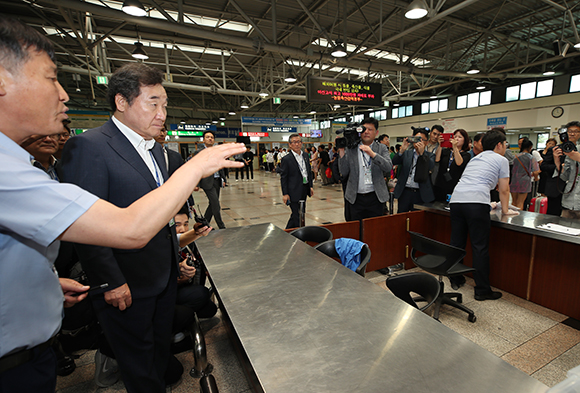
{"x": 493, "y": 295}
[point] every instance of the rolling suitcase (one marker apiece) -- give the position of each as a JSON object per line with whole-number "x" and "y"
{"x": 539, "y": 205}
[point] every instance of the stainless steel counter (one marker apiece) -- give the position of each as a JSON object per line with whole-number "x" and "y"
{"x": 525, "y": 222}
{"x": 307, "y": 324}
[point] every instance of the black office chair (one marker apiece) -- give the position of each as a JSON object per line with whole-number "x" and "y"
{"x": 329, "y": 249}
{"x": 312, "y": 234}
{"x": 443, "y": 260}
{"x": 423, "y": 284}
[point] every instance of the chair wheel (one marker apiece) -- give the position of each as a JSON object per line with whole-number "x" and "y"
{"x": 460, "y": 299}
{"x": 471, "y": 318}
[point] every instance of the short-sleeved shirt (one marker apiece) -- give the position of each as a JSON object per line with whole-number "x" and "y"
{"x": 480, "y": 177}
{"x": 35, "y": 211}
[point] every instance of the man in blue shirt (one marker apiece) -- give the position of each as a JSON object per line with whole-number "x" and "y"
{"x": 38, "y": 211}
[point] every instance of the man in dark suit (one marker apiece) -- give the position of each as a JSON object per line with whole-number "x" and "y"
{"x": 295, "y": 179}
{"x": 173, "y": 159}
{"x": 212, "y": 186}
{"x": 121, "y": 162}
{"x": 415, "y": 163}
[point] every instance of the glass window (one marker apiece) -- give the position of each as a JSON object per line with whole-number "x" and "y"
{"x": 473, "y": 100}
{"x": 575, "y": 83}
{"x": 424, "y": 108}
{"x": 395, "y": 113}
{"x": 402, "y": 111}
{"x": 461, "y": 102}
{"x": 528, "y": 91}
{"x": 383, "y": 115}
{"x": 485, "y": 98}
{"x": 542, "y": 138}
{"x": 512, "y": 93}
{"x": 359, "y": 118}
{"x": 443, "y": 105}
{"x": 434, "y": 106}
{"x": 409, "y": 110}
{"x": 545, "y": 88}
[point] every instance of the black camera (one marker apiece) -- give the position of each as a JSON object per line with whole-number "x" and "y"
{"x": 351, "y": 137}
{"x": 566, "y": 145}
{"x": 198, "y": 218}
{"x": 417, "y": 138}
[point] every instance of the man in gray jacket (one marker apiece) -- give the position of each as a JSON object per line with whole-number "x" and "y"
{"x": 364, "y": 166}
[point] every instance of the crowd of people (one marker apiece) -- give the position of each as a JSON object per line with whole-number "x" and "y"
{"x": 117, "y": 202}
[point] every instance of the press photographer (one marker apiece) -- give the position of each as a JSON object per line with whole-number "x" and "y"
{"x": 568, "y": 169}
{"x": 415, "y": 163}
{"x": 363, "y": 161}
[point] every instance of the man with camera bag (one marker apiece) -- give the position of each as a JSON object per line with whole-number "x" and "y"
{"x": 414, "y": 183}
{"x": 567, "y": 169}
{"x": 364, "y": 164}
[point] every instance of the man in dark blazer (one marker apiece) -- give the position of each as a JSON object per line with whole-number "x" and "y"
{"x": 411, "y": 159}
{"x": 212, "y": 186}
{"x": 120, "y": 162}
{"x": 365, "y": 166}
{"x": 295, "y": 179}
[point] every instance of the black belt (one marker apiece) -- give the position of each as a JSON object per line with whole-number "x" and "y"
{"x": 16, "y": 359}
{"x": 412, "y": 189}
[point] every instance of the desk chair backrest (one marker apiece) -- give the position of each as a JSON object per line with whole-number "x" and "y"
{"x": 328, "y": 248}
{"x": 423, "y": 284}
{"x": 439, "y": 258}
{"x": 312, "y": 234}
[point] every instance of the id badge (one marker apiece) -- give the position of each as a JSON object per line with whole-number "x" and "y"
{"x": 304, "y": 180}
{"x": 367, "y": 176}
{"x": 171, "y": 222}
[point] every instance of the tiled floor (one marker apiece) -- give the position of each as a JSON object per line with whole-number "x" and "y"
{"x": 534, "y": 339}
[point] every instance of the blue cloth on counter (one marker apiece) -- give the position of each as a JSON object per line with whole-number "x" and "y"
{"x": 349, "y": 252}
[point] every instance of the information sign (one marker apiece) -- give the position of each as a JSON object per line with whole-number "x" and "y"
{"x": 343, "y": 91}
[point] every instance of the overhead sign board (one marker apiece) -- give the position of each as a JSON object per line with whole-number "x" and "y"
{"x": 279, "y": 129}
{"x": 102, "y": 80}
{"x": 279, "y": 122}
{"x": 343, "y": 91}
{"x": 261, "y": 134}
{"x": 500, "y": 122}
{"x": 185, "y": 133}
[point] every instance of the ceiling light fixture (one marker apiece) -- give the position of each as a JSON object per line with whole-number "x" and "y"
{"x": 222, "y": 118}
{"x": 214, "y": 121}
{"x": 339, "y": 49}
{"x": 183, "y": 121}
{"x": 290, "y": 78}
{"x": 139, "y": 52}
{"x": 134, "y": 7}
{"x": 480, "y": 87}
{"x": 232, "y": 113}
{"x": 263, "y": 93}
{"x": 473, "y": 68}
{"x": 244, "y": 105}
{"x": 416, "y": 10}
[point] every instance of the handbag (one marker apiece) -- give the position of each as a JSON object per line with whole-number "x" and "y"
{"x": 328, "y": 172}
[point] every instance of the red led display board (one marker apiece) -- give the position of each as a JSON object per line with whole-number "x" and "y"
{"x": 263, "y": 134}
{"x": 342, "y": 91}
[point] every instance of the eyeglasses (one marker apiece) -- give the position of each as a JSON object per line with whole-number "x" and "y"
{"x": 293, "y": 142}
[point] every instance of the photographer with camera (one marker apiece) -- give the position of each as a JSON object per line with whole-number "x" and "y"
{"x": 363, "y": 161}
{"x": 415, "y": 163}
{"x": 567, "y": 168}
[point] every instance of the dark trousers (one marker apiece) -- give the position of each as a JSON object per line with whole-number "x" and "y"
{"x": 555, "y": 205}
{"x": 294, "y": 221}
{"x": 473, "y": 219}
{"x": 249, "y": 170}
{"x": 240, "y": 170}
{"x": 140, "y": 337}
{"x": 197, "y": 298}
{"x": 408, "y": 198}
{"x": 365, "y": 206}
{"x": 37, "y": 375}
{"x": 213, "y": 197}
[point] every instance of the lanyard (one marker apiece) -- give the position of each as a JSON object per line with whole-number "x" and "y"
{"x": 157, "y": 180}
{"x": 365, "y": 163}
